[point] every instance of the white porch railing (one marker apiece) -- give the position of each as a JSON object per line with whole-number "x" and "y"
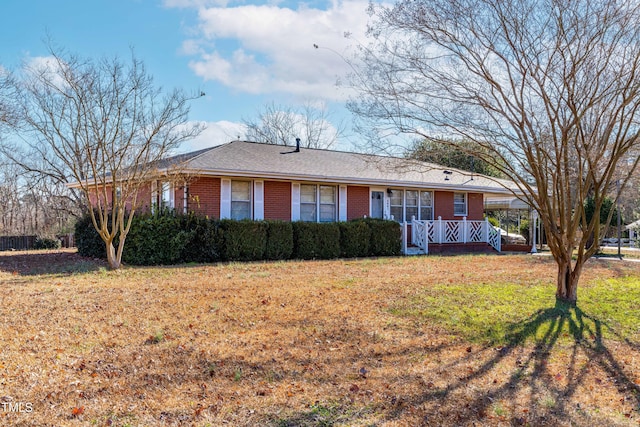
{"x": 443, "y": 231}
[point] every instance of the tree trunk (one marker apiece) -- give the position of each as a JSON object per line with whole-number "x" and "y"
{"x": 567, "y": 290}
{"x": 112, "y": 258}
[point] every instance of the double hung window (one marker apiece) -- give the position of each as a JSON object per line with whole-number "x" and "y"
{"x": 408, "y": 204}
{"x": 460, "y": 204}
{"x": 318, "y": 203}
{"x": 240, "y": 199}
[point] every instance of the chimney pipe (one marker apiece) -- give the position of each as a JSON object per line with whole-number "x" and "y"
{"x": 297, "y": 145}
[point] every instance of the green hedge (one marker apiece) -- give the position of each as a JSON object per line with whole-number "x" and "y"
{"x": 156, "y": 239}
{"x": 88, "y": 241}
{"x": 206, "y": 239}
{"x": 316, "y": 240}
{"x": 279, "y": 240}
{"x": 355, "y": 239}
{"x": 168, "y": 238}
{"x": 244, "y": 240}
{"x": 386, "y": 237}
{"x": 46, "y": 243}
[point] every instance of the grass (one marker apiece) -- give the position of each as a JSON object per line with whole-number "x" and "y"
{"x": 494, "y": 313}
{"x": 377, "y": 342}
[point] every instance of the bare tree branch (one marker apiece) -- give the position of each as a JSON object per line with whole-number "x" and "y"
{"x": 103, "y": 126}
{"x": 548, "y": 89}
{"x": 281, "y": 125}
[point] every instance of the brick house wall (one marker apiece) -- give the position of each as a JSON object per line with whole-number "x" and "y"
{"x": 443, "y": 205}
{"x": 204, "y": 196}
{"x": 475, "y": 206}
{"x": 277, "y": 200}
{"x": 357, "y": 202}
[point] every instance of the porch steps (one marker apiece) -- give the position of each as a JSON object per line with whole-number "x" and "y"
{"x": 414, "y": 250}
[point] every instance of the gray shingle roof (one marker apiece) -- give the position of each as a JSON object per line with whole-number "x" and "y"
{"x": 250, "y": 159}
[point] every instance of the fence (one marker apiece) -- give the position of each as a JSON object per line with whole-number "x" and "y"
{"x": 23, "y": 243}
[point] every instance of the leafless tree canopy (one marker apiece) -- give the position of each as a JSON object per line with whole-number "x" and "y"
{"x": 103, "y": 125}
{"x": 281, "y": 125}
{"x": 549, "y": 87}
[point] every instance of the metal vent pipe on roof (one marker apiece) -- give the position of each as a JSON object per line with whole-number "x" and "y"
{"x": 297, "y": 145}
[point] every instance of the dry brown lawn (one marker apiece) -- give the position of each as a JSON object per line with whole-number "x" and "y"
{"x": 287, "y": 344}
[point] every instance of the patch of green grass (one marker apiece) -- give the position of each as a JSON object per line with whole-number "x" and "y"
{"x": 324, "y": 415}
{"x": 237, "y": 374}
{"x": 507, "y": 313}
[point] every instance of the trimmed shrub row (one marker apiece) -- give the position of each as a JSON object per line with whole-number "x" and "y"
{"x": 167, "y": 238}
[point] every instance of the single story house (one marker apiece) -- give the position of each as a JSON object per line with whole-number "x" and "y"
{"x": 438, "y": 208}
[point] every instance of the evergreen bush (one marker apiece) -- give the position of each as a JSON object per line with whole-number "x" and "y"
{"x": 316, "y": 240}
{"x": 88, "y": 241}
{"x": 279, "y": 240}
{"x": 244, "y": 240}
{"x": 46, "y": 243}
{"x": 386, "y": 237}
{"x": 355, "y": 237}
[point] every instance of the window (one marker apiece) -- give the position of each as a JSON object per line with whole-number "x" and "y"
{"x": 161, "y": 195}
{"x": 397, "y": 208}
{"x": 308, "y": 203}
{"x": 411, "y": 198}
{"x": 165, "y": 195}
{"x": 426, "y": 206}
{"x": 240, "y": 200}
{"x": 406, "y": 204}
{"x": 459, "y": 204}
{"x": 327, "y": 203}
{"x": 318, "y": 203}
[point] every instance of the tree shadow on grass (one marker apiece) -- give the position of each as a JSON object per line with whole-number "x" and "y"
{"x": 563, "y": 333}
{"x": 61, "y": 262}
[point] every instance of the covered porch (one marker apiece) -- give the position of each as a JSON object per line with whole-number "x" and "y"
{"x": 417, "y": 236}
{"x": 439, "y": 235}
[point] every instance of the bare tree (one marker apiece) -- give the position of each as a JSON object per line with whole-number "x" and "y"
{"x": 7, "y": 95}
{"x": 549, "y": 88}
{"x": 102, "y": 125}
{"x": 280, "y": 125}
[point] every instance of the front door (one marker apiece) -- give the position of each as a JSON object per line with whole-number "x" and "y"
{"x": 377, "y": 204}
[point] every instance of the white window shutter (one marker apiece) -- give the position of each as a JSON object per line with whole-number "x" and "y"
{"x": 225, "y": 198}
{"x": 172, "y": 195}
{"x": 154, "y": 195}
{"x": 342, "y": 203}
{"x": 295, "y": 201}
{"x": 258, "y": 200}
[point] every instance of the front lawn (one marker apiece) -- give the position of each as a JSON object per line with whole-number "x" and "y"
{"x": 467, "y": 340}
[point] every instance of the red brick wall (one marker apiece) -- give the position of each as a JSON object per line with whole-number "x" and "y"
{"x": 443, "y": 205}
{"x": 357, "y": 202}
{"x": 204, "y": 196}
{"x": 475, "y": 206}
{"x": 144, "y": 198}
{"x": 277, "y": 200}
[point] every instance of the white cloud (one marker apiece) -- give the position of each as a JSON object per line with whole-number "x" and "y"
{"x": 214, "y": 133}
{"x": 267, "y": 48}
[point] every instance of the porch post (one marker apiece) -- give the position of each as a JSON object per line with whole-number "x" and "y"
{"x": 426, "y": 237}
{"x": 464, "y": 229}
{"x": 413, "y": 229}
{"x": 439, "y": 230}
{"x": 403, "y": 227}
{"x": 486, "y": 230}
{"x": 533, "y": 228}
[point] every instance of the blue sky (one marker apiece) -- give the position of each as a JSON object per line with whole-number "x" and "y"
{"x": 243, "y": 55}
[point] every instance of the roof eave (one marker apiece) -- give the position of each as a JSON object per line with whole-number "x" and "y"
{"x": 354, "y": 181}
